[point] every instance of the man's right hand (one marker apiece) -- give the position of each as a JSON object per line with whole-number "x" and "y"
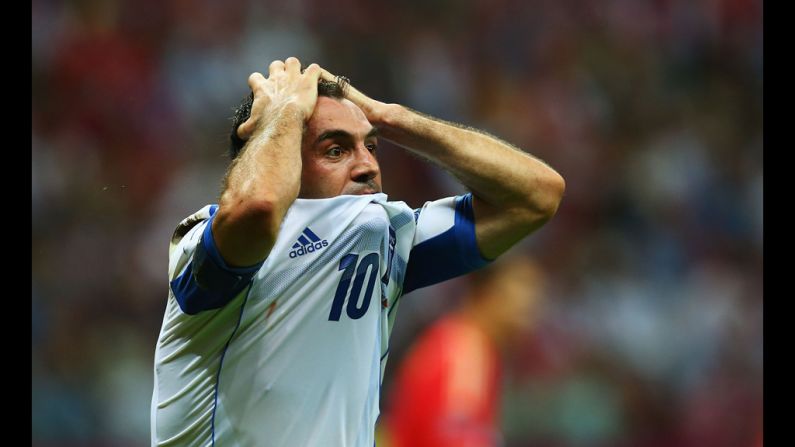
{"x": 285, "y": 89}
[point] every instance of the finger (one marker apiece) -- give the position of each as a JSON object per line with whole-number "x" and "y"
{"x": 244, "y": 130}
{"x": 350, "y": 92}
{"x": 313, "y": 72}
{"x": 327, "y": 75}
{"x": 275, "y": 67}
{"x": 292, "y": 65}
{"x": 256, "y": 81}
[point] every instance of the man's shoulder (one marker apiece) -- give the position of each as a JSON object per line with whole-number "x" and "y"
{"x": 192, "y": 220}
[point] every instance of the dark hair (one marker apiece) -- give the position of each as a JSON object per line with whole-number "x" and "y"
{"x": 330, "y": 89}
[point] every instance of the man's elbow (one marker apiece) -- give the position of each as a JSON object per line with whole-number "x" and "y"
{"x": 546, "y": 198}
{"x": 259, "y": 216}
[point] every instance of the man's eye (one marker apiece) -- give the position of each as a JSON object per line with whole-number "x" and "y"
{"x": 372, "y": 147}
{"x": 335, "y": 151}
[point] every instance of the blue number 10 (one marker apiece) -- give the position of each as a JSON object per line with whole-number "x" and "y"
{"x": 357, "y": 271}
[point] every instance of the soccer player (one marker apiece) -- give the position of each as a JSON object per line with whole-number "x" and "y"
{"x": 282, "y": 296}
{"x": 447, "y": 390}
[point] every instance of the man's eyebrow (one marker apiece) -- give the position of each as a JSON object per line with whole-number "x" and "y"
{"x": 339, "y": 133}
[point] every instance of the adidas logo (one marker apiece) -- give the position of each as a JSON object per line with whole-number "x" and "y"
{"x": 308, "y": 242}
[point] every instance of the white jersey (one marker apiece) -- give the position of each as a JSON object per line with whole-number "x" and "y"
{"x": 291, "y": 352}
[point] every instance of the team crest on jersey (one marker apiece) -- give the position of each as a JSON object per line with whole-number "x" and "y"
{"x": 308, "y": 242}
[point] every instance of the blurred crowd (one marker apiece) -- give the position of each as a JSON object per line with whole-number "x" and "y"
{"x": 650, "y": 109}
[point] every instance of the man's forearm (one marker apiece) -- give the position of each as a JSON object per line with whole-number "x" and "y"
{"x": 513, "y": 193}
{"x": 495, "y": 171}
{"x": 269, "y": 168}
{"x": 262, "y": 184}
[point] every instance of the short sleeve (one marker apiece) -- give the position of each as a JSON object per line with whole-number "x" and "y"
{"x": 444, "y": 245}
{"x": 199, "y": 278}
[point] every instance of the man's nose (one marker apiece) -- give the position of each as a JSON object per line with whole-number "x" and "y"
{"x": 365, "y": 165}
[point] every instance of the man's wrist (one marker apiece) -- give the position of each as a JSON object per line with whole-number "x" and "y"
{"x": 388, "y": 115}
{"x": 292, "y": 111}
{"x": 287, "y": 116}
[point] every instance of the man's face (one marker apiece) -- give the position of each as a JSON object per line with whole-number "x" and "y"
{"x": 338, "y": 152}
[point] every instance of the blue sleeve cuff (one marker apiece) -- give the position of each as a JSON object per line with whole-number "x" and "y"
{"x": 208, "y": 282}
{"x": 448, "y": 255}
{"x": 465, "y": 233}
{"x": 208, "y": 243}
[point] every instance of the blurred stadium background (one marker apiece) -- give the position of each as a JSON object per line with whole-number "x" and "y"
{"x": 650, "y": 109}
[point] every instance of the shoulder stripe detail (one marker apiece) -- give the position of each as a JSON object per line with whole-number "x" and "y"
{"x": 447, "y": 255}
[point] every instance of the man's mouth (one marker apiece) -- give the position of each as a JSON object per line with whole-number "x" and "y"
{"x": 365, "y": 191}
{"x": 361, "y": 189}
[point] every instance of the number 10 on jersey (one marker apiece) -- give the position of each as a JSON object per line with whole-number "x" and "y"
{"x": 356, "y": 270}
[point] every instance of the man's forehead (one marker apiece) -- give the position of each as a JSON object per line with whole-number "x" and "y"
{"x": 332, "y": 113}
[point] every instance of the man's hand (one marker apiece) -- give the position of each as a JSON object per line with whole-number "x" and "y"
{"x": 375, "y": 111}
{"x": 285, "y": 88}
